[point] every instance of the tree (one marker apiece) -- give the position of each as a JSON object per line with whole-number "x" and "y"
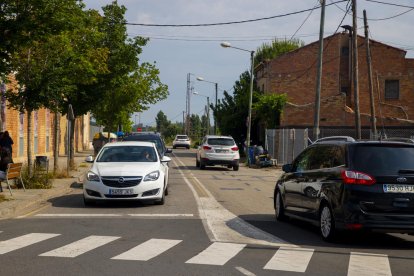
{"x": 49, "y": 53}
{"x": 162, "y": 122}
{"x": 275, "y": 48}
{"x": 129, "y": 86}
{"x": 269, "y": 108}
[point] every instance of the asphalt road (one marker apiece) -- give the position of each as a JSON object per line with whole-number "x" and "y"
{"x": 215, "y": 222}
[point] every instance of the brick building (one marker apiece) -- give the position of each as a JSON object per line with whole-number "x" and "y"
{"x": 42, "y": 126}
{"x": 294, "y": 73}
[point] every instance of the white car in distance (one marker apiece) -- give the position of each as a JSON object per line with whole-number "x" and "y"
{"x": 127, "y": 171}
{"x": 218, "y": 150}
{"x": 181, "y": 140}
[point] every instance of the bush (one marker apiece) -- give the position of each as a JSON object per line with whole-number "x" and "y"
{"x": 38, "y": 180}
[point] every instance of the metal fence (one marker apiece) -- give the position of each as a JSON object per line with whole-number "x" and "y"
{"x": 285, "y": 144}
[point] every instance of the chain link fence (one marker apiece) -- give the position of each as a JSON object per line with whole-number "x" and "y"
{"x": 286, "y": 143}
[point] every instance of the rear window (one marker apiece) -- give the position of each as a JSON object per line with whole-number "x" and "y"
{"x": 182, "y": 137}
{"x": 382, "y": 159}
{"x": 220, "y": 141}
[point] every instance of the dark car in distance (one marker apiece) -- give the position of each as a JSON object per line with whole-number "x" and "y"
{"x": 151, "y": 137}
{"x": 350, "y": 185}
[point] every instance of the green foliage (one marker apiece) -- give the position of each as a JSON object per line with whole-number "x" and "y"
{"x": 276, "y": 48}
{"x": 37, "y": 180}
{"x": 269, "y": 107}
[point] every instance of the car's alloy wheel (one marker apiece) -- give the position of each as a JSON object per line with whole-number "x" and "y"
{"x": 279, "y": 210}
{"x": 327, "y": 223}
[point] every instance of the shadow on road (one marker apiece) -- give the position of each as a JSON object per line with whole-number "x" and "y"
{"x": 306, "y": 234}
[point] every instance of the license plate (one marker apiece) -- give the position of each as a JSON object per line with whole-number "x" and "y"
{"x": 221, "y": 151}
{"x": 394, "y": 188}
{"x": 120, "y": 191}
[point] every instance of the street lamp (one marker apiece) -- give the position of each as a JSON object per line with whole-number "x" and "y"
{"x": 215, "y": 105}
{"x": 208, "y": 110}
{"x": 249, "y": 122}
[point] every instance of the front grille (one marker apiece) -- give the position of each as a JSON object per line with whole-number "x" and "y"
{"x": 121, "y": 181}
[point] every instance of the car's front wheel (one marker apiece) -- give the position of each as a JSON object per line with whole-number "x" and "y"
{"x": 327, "y": 223}
{"x": 88, "y": 202}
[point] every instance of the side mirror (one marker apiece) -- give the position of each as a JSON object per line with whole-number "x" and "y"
{"x": 287, "y": 168}
{"x": 168, "y": 151}
{"x": 165, "y": 159}
{"x": 89, "y": 159}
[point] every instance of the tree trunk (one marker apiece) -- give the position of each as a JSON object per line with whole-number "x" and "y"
{"x": 56, "y": 131}
{"x": 29, "y": 142}
{"x": 71, "y": 145}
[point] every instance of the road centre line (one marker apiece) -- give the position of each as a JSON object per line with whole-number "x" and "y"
{"x": 223, "y": 226}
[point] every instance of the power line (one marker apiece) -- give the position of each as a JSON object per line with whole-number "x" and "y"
{"x": 304, "y": 21}
{"x": 390, "y": 4}
{"x": 227, "y": 23}
{"x": 379, "y": 19}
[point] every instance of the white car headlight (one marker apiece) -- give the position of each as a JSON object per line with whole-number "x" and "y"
{"x": 92, "y": 176}
{"x": 152, "y": 176}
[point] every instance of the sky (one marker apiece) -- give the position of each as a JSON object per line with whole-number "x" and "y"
{"x": 179, "y": 51}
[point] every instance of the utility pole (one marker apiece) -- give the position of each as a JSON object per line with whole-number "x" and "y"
{"x": 215, "y": 112}
{"x": 319, "y": 74}
{"x": 371, "y": 89}
{"x": 184, "y": 122}
{"x": 187, "y": 106}
{"x": 355, "y": 69}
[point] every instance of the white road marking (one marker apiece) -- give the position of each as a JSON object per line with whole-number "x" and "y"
{"x": 244, "y": 271}
{"x": 290, "y": 259}
{"x": 80, "y": 247}
{"x": 365, "y": 264}
{"x": 224, "y": 226}
{"x": 217, "y": 254}
{"x": 147, "y": 250}
{"x": 114, "y": 215}
{"x": 23, "y": 241}
{"x": 161, "y": 215}
{"x": 78, "y": 215}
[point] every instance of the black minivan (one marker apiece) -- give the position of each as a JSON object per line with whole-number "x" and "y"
{"x": 350, "y": 185}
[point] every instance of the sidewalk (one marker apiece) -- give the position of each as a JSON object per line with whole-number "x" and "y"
{"x": 23, "y": 202}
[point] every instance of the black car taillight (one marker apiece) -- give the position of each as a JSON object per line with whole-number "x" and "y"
{"x": 357, "y": 178}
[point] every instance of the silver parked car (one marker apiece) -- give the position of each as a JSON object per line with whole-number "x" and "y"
{"x": 218, "y": 150}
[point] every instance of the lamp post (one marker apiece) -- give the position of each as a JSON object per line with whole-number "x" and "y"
{"x": 208, "y": 110}
{"x": 249, "y": 122}
{"x": 215, "y": 105}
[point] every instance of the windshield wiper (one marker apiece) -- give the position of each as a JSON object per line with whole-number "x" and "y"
{"x": 406, "y": 171}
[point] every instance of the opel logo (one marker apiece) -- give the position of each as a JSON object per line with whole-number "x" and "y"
{"x": 121, "y": 180}
{"x": 401, "y": 179}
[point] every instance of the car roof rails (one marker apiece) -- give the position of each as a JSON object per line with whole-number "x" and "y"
{"x": 335, "y": 139}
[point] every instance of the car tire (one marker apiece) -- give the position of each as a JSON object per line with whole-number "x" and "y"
{"x": 188, "y": 147}
{"x": 202, "y": 165}
{"x": 327, "y": 223}
{"x": 235, "y": 167}
{"x": 160, "y": 201}
{"x": 197, "y": 163}
{"x": 166, "y": 191}
{"x": 279, "y": 209}
{"x": 88, "y": 202}
{"x": 174, "y": 147}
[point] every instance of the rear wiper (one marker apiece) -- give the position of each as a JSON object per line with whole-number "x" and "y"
{"x": 406, "y": 171}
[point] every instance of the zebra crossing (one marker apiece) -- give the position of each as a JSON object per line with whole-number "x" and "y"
{"x": 290, "y": 259}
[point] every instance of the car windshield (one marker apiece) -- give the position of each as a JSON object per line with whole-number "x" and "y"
{"x": 147, "y": 138}
{"x": 127, "y": 154}
{"x": 220, "y": 141}
{"x": 382, "y": 159}
{"x": 182, "y": 137}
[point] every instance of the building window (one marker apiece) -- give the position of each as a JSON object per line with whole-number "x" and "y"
{"x": 345, "y": 51}
{"x": 392, "y": 89}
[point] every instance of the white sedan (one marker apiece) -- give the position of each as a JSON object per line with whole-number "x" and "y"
{"x": 127, "y": 171}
